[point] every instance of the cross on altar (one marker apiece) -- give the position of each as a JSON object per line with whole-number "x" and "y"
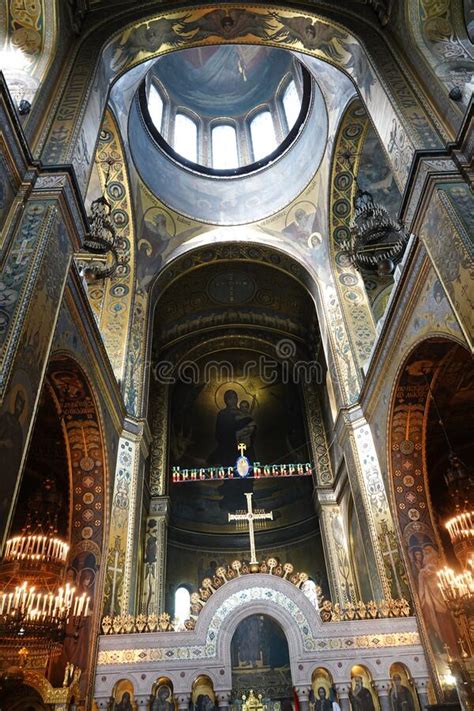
{"x": 250, "y": 517}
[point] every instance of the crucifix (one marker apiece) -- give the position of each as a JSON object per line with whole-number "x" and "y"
{"x": 250, "y": 516}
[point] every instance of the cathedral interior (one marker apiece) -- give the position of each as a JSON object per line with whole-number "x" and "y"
{"x": 236, "y": 338}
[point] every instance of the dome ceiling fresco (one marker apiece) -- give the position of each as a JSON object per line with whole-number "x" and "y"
{"x": 227, "y": 80}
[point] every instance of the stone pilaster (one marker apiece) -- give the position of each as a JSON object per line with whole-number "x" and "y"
{"x": 440, "y": 203}
{"x": 382, "y": 688}
{"x": 183, "y": 701}
{"x": 223, "y": 700}
{"x": 371, "y": 504}
{"x": 122, "y": 558}
{"x": 343, "y": 696}
{"x": 336, "y": 548}
{"x": 154, "y": 560}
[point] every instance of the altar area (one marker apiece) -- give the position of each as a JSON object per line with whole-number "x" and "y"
{"x": 371, "y": 646}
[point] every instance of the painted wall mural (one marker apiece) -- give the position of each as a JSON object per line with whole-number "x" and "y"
{"x": 207, "y": 422}
{"x": 410, "y": 484}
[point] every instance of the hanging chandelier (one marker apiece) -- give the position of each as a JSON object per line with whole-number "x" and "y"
{"x": 102, "y": 239}
{"x": 36, "y": 608}
{"x": 377, "y": 241}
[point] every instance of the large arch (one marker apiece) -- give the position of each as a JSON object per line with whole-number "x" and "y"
{"x": 80, "y": 419}
{"x": 431, "y": 361}
{"x": 397, "y": 109}
{"x": 253, "y": 247}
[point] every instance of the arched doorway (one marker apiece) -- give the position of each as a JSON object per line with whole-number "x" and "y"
{"x": 260, "y": 662}
{"x": 64, "y": 489}
{"x": 431, "y": 454}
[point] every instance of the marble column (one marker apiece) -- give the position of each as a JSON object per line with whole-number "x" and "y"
{"x": 183, "y": 701}
{"x": 223, "y": 700}
{"x": 421, "y": 688}
{"x": 142, "y": 701}
{"x": 343, "y": 696}
{"x": 303, "y": 697}
{"x": 382, "y": 687}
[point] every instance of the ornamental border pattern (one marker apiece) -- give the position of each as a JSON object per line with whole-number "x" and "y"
{"x": 238, "y": 599}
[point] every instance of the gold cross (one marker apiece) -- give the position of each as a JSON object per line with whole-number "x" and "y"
{"x": 242, "y": 447}
{"x": 250, "y": 516}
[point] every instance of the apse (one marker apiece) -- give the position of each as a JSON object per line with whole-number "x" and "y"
{"x": 238, "y": 338}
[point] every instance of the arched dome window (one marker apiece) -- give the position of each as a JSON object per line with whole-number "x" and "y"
{"x": 185, "y": 137}
{"x": 224, "y": 147}
{"x": 182, "y": 604}
{"x": 291, "y": 104}
{"x": 263, "y": 136}
{"x": 155, "y": 106}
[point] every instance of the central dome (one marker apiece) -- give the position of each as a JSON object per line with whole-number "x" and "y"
{"x": 226, "y": 109}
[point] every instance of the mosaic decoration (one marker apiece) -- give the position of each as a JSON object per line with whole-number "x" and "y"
{"x": 228, "y": 607}
{"x": 19, "y": 273}
{"x": 118, "y": 575}
{"x": 86, "y": 454}
{"x": 410, "y": 492}
{"x": 349, "y": 282}
{"x": 112, "y": 299}
{"x": 319, "y": 443}
{"x": 256, "y": 25}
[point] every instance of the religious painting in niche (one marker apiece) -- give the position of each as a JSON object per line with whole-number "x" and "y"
{"x": 260, "y": 661}
{"x": 362, "y": 694}
{"x": 124, "y": 699}
{"x": 401, "y": 695}
{"x": 203, "y": 697}
{"x": 231, "y": 403}
{"x": 322, "y": 696}
{"x": 163, "y": 697}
